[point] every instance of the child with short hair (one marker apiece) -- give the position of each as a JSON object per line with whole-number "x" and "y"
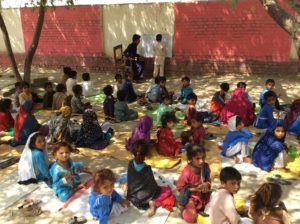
{"x": 118, "y": 84}
{"x": 48, "y": 96}
{"x": 270, "y": 151}
{"x": 197, "y": 130}
{"x": 71, "y": 81}
{"x": 121, "y": 110}
{"x": 18, "y": 91}
{"x": 218, "y": 101}
{"x": 109, "y": 102}
{"x": 143, "y": 190}
{"x": 265, "y": 119}
{"x": 59, "y": 96}
{"x": 269, "y": 86}
{"x": 65, "y": 77}
{"x": 159, "y": 56}
{"x": 236, "y": 141}
{"x": 34, "y": 163}
{"x": 91, "y": 134}
{"x": 104, "y": 201}
{"x": 186, "y": 89}
{"x": 87, "y": 86}
{"x": 167, "y": 144}
{"x": 162, "y": 90}
{"x": 77, "y": 105}
{"x": 128, "y": 86}
{"x": 190, "y": 109}
{"x": 6, "y": 119}
{"x": 26, "y": 94}
{"x": 65, "y": 172}
{"x": 195, "y": 179}
{"x": 163, "y": 108}
{"x": 152, "y": 91}
{"x": 266, "y": 207}
{"x": 142, "y": 131}
{"x": 243, "y": 85}
{"x": 222, "y": 204}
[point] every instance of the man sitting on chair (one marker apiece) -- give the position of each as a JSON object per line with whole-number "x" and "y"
{"x": 131, "y": 55}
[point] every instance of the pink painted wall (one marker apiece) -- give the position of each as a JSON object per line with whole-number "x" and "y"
{"x": 213, "y": 30}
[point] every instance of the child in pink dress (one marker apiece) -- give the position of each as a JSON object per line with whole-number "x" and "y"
{"x": 194, "y": 184}
{"x": 197, "y": 130}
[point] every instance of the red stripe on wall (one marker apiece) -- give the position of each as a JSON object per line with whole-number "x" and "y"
{"x": 212, "y": 30}
{"x": 75, "y": 31}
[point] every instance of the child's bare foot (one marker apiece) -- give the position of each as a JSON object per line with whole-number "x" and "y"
{"x": 152, "y": 209}
{"x": 247, "y": 160}
{"x": 237, "y": 160}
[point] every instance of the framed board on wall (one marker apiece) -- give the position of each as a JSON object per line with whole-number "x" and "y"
{"x": 147, "y": 41}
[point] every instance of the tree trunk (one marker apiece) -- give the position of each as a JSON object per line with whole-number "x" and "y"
{"x": 290, "y": 24}
{"x": 35, "y": 41}
{"x": 9, "y": 48}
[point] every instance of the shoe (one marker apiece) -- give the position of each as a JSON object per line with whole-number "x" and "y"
{"x": 78, "y": 220}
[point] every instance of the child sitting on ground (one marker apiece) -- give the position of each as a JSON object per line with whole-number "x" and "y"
{"x": 218, "y": 101}
{"x": 167, "y": 144}
{"x": 265, "y": 119}
{"x": 91, "y": 134}
{"x": 235, "y": 143}
{"x": 65, "y": 172}
{"x": 77, "y": 105}
{"x": 142, "y": 131}
{"x": 190, "y": 109}
{"x": 118, "y": 84}
{"x": 162, "y": 90}
{"x": 6, "y": 119}
{"x": 26, "y": 94}
{"x": 269, "y": 86}
{"x": 48, "y": 96}
{"x": 59, "y": 96}
{"x": 109, "y": 102}
{"x": 152, "y": 91}
{"x": 266, "y": 207}
{"x": 222, "y": 204}
{"x": 104, "y": 201}
{"x": 34, "y": 163}
{"x": 163, "y": 108}
{"x": 71, "y": 81}
{"x": 128, "y": 86}
{"x": 18, "y": 91}
{"x": 194, "y": 178}
{"x": 143, "y": 190}
{"x": 243, "y": 85}
{"x": 270, "y": 150}
{"x": 87, "y": 86}
{"x": 197, "y": 131}
{"x": 186, "y": 90}
{"x": 292, "y": 118}
{"x": 121, "y": 110}
{"x": 65, "y": 77}
{"x": 238, "y": 105}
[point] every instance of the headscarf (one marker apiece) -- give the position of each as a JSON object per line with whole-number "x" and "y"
{"x": 90, "y": 128}
{"x": 25, "y": 166}
{"x": 142, "y": 131}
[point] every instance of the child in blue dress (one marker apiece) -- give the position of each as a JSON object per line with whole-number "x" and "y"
{"x": 186, "y": 89}
{"x": 34, "y": 163}
{"x": 65, "y": 172}
{"x": 104, "y": 201}
{"x": 236, "y": 141}
{"x": 265, "y": 119}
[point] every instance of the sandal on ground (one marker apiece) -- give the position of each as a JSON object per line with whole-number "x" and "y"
{"x": 78, "y": 220}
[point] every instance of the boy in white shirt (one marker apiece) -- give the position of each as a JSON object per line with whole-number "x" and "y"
{"x": 71, "y": 81}
{"x": 87, "y": 86}
{"x": 159, "y": 56}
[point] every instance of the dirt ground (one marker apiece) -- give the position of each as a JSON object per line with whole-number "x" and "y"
{"x": 204, "y": 86}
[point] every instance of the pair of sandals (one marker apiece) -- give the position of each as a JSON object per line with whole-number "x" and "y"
{"x": 30, "y": 207}
{"x": 276, "y": 178}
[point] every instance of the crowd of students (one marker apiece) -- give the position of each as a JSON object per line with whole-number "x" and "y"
{"x": 194, "y": 183}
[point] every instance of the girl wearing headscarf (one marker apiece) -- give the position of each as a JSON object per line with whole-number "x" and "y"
{"x": 236, "y": 141}
{"x": 238, "y": 105}
{"x": 34, "y": 163}
{"x": 91, "y": 134}
{"x": 292, "y": 118}
{"x": 25, "y": 123}
{"x": 142, "y": 131}
{"x": 270, "y": 150}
